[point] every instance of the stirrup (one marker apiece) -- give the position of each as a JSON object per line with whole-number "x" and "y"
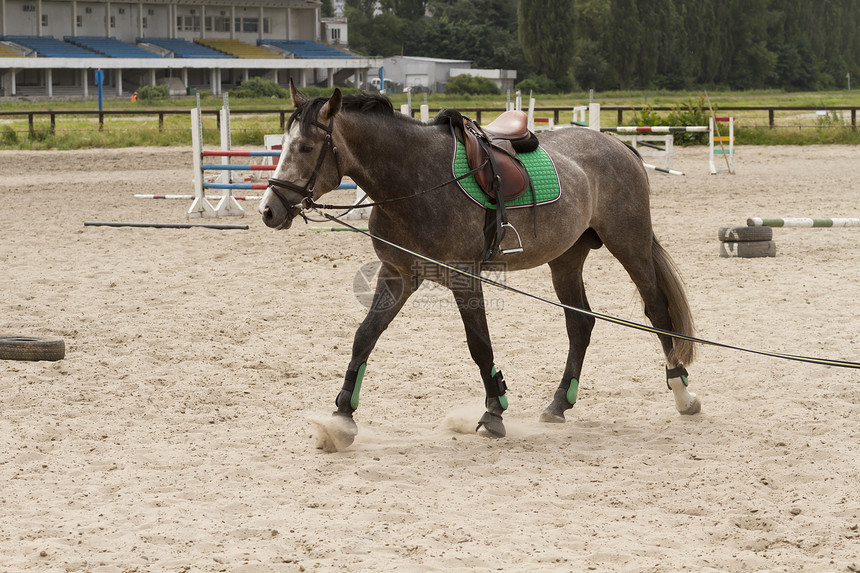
{"x": 518, "y": 248}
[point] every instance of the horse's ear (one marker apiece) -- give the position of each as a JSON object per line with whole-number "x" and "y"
{"x": 297, "y": 96}
{"x": 332, "y": 106}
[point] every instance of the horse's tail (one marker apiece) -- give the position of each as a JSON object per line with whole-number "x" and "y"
{"x": 670, "y": 283}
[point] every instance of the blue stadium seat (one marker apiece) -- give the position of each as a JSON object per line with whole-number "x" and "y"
{"x": 306, "y": 49}
{"x": 50, "y": 47}
{"x": 183, "y": 48}
{"x": 110, "y": 47}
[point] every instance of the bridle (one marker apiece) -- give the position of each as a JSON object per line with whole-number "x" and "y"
{"x": 306, "y": 192}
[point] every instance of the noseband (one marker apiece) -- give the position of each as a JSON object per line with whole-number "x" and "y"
{"x": 307, "y": 191}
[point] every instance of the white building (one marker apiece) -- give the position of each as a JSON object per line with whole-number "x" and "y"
{"x": 169, "y": 39}
{"x": 431, "y": 74}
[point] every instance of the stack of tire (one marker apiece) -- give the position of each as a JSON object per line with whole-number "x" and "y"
{"x": 746, "y": 242}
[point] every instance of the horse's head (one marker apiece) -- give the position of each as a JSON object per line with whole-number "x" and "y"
{"x": 309, "y": 165}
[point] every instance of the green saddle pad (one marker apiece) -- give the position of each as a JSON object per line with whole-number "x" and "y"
{"x": 539, "y": 166}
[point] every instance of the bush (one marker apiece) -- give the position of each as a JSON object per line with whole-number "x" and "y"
{"x": 259, "y": 88}
{"x": 470, "y": 85}
{"x": 8, "y": 136}
{"x": 538, "y": 85}
{"x": 685, "y": 113}
{"x": 152, "y": 93}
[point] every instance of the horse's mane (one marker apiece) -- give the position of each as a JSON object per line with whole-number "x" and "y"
{"x": 307, "y": 113}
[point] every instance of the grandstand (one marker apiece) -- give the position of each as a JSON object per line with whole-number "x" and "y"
{"x": 110, "y": 47}
{"x": 53, "y": 48}
{"x": 236, "y": 48}
{"x": 181, "y": 48}
{"x": 50, "y": 47}
{"x": 305, "y": 49}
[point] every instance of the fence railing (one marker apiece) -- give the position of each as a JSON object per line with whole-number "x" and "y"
{"x": 476, "y": 112}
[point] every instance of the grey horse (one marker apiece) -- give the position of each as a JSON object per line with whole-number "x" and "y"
{"x": 405, "y": 167}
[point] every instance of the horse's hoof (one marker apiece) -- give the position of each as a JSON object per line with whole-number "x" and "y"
{"x": 550, "y": 417}
{"x": 491, "y": 426}
{"x": 694, "y": 406}
{"x": 554, "y": 413}
{"x": 335, "y": 434}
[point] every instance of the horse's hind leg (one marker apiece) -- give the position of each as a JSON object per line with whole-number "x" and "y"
{"x": 568, "y": 284}
{"x": 470, "y": 302}
{"x": 666, "y": 306}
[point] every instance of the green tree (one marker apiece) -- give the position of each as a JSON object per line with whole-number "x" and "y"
{"x": 327, "y": 9}
{"x": 408, "y": 9}
{"x": 546, "y": 36}
{"x": 483, "y": 31}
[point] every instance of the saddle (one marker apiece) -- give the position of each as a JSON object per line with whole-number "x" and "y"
{"x": 503, "y": 177}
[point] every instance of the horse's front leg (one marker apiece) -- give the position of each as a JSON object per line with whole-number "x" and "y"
{"x": 392, "y": 291}
{"x": 470, "y": 302}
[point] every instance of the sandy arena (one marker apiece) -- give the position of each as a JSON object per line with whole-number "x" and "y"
{"x": 177, "y": 433}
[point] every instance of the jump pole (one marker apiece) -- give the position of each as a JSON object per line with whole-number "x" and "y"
{"x": 662, "y": 169}
{"x": 803, "y": 222}
{"x": 166, "y": 225}
{"x": 594, "y": 123}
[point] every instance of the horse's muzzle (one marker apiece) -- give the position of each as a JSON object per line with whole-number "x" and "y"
{"x": 278, "y": 214}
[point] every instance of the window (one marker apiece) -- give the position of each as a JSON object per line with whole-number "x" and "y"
{"x": 208, "y": 23}
{"x": 151, "y": 12}
{"x": 191, "y": 23}
{"x": 44, "y": 20}
{"x": 335, "y": 35}
{"x": 267, "y": 25}
{"x": 221, "y": 24}
{"x": 88, "y": 9}
{"x": 113, "y": 21}
{"x": 80, "y": 21}
{"x": 144, "y": 23}
{"x": 250, "y": 24}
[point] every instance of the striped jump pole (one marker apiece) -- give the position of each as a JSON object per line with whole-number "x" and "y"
{"x": 236, "y": 167}
{"x": 803, "y": 222}
{"x": 656, "y": 129}
{"x": 594, "y": 124}
{"x": 240, "y": 153}
{"x": 662, "y": 169}
{"x": 259, "y": 186}
{"x": 185, "y": 197}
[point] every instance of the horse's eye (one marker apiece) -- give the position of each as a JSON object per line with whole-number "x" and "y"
{"x": 305, "y": 148}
